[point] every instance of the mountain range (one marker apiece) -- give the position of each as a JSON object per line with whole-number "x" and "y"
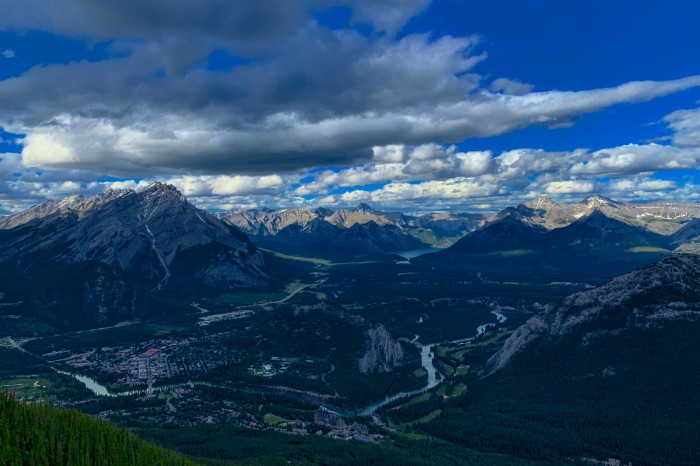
{"x": 126, "y": 245}
{"x": 665, "y": 225}
{"x": 435, "y": 229}
{"x": 661, "y": 217}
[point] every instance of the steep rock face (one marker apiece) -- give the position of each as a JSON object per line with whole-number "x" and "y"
{"x": 141, "y": 234}
{"x": 383, "y": 352}
{"x": 668, "y": 290}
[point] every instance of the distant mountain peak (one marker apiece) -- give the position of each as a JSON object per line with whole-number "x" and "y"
{"x": 541, "y": 202}
{"x": 598, "y": 201}
{"x": 364, "y": 208}
{"x": 160, "y": 186}
{"x": 71, "y": 200}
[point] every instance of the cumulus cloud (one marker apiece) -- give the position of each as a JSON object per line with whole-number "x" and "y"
{"x": 510, "y": 86}
{"x": 635, "y": 158}
{"x": 319, "y": 98}
{"x": 569, "y": 187}
{"x": 686, "y": 127}
{"x": 8, "y": 53}
{"x": 309, "y": 115}
{"x": 457, "y": 188}
{"x": 387, "y": 15}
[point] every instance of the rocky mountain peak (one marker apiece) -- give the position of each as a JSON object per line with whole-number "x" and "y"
{"x": 597, "y": 201}
{"x": 71, "y": 200}
{"x": 541, "y": 202}
{"x": 364, "y": 208}
{"x": 145, "y": 235}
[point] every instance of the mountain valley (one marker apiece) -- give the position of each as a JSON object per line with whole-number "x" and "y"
{"x": 298, "y": 330}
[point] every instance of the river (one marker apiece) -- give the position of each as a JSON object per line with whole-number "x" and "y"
{"x": 426, "y": 356}
{"x": 434, "y": 377}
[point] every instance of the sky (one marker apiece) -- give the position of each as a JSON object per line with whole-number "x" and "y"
{"x": 413, "y": 105}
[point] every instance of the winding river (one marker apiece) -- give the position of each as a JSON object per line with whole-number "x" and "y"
{"x": 434, "y": 377}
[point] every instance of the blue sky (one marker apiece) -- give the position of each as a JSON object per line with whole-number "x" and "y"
{"x": 415, "y": 105}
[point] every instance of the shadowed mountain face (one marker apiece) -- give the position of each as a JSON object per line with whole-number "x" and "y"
{"x": 361, "y": 238}
{"x": 154, "y": 238}
{"x": 667, "y": 291}
{"x": 687, "y": 239}
{"x": 504, "y": 234}
{"x": 595, "y": 246}
{"x": 612, "y": 372}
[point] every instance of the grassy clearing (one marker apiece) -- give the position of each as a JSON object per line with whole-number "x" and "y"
{"x": 27, "y": 388}
{"x": 429, "y": 417}
{"x": 246, "y": 298}
{"x": 445, "y": 369}
{"x": 647, "y": 249}
{"x": 273, "y": 420}
{"x": 292, "y": 287}
{"x": 417, "y": 400}
{"x": 313, "y": 260}
{"x": 459, "y": 390}
{"x": 495, "y": 336}
{"x": 511, "y": 253}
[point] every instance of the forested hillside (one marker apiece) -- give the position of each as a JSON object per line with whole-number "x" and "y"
{"x": 40, "y": 435}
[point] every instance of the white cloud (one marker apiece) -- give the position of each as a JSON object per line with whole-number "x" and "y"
{"x": 633, "y": 158}
{"x": 643, "y": 185}
{"x": 569, "y": 187}
{"x": 380, "y": 111}
{"x": 8, "y": 53}
{"x": 510, "y": 86}
{"x": 457, "y": 188}
{"x": 686, "y": 127}
{"x": 387, "y": 15}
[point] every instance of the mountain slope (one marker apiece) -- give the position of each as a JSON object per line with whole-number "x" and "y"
{"x": 140, "y": 234}
{"x": 687, "y": 239}
{"x": 668, "y": 290}
{"x": 593, "y": 248}
{"x": 319, "y": 236}
{"x": 504, "y": 234}
{"x": 612, "y": 373}
{"x": 38, "y": 434}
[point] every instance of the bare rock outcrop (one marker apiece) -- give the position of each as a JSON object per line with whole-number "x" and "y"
{"x": 384, "y": 353}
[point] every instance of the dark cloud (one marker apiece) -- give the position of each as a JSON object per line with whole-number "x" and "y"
{"x": 304, "y": 96}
